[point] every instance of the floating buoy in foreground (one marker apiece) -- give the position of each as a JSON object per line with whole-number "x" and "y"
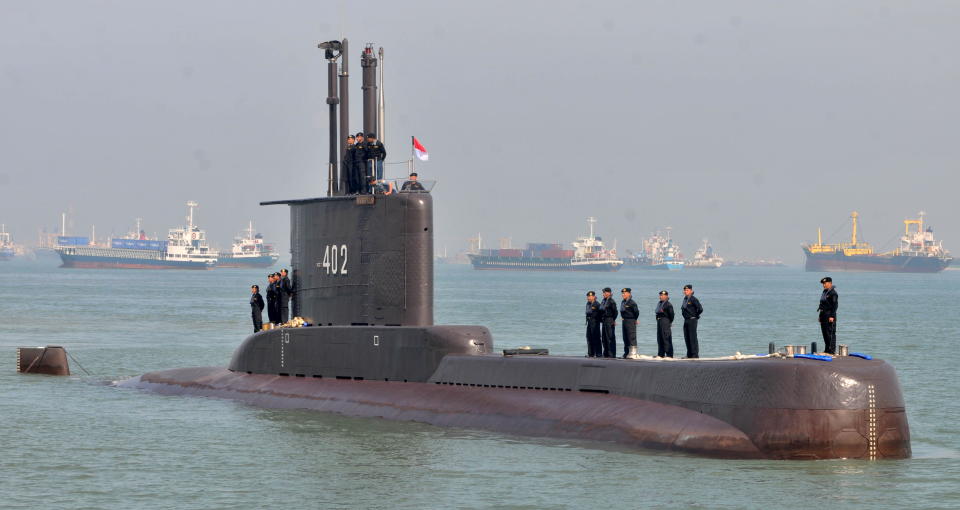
{"x": 49, "y": 360}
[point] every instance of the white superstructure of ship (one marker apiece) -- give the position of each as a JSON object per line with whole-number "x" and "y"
{"x": 589, "y": 250}
{"x": 189, "y": 242}
{"x": 705, "y": 258}
{"x": 249, "y": 250}
{"x": 7, "y": 250}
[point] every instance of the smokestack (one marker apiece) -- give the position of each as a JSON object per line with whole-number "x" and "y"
{"x": 369, "y": 64}
{"x": 344, "y": 108}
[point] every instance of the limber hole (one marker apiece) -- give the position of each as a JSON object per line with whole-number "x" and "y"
{"x": 591, "y": 390}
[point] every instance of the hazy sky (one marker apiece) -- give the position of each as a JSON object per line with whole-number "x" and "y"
{"x": 751, "y": 122}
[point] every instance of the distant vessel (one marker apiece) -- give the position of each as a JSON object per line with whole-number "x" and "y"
{"x": 7, "y": 251}
{"x": 757, "y": 263}
{"x": 588, "y": 254}
{"x": 705, "y": 258}
{"x": 658, "y": 252}
{"x": 918, "y": 252}
{"x": 185, "y": 248}
{"x": 249, "y": 250}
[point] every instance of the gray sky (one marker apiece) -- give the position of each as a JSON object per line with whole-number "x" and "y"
{"x": 749, "y": 122}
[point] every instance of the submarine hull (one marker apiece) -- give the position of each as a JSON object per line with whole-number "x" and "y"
{"x": 770, "y": 408}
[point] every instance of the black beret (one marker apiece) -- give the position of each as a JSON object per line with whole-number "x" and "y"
{"x": 664, "y": 293}
{"x": 826, "y": 279}
{"x": 591, "y": 293}
{"x": 607, "y": 289}
{"x": 626, "y": 289}
{"x": 688, "y": 286}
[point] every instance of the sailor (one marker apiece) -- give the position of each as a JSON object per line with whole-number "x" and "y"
{"x": 412, "y": 184}
{"x": 286, "y": 290}
{"x": 380, "y": 187}
{"x": 664, "y": 314}
{"x": 271, "y": 299}
{"x": 829, "y": 301}
{"x": 377, "y": 152}
{"x": 609, "y": 332}
{"x": 691, "y": 311}
{"x": 629, "y": 311}
{"x": 350, "y": 168}
{"x": 256, "y": 307}
{"x": 594, "y": 316}
{"x": 360, "y": 160}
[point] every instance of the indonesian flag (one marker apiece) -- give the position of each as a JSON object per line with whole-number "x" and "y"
{"x": 420, "y": 150}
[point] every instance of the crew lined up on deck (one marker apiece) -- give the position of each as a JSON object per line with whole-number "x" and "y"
{"x": 279, "y": 292}
{"x": 601, "y": 320}
{"x": 363, "y": 163}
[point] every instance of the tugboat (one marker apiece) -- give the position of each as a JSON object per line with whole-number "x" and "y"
{"x": 659, "y": 253}
{"x": 249, "y": 250}
{"x": 363, "y": 343}
{"x": 705, "y": 258}
{"x": 918, "y": 252}
{"x": 185, "y": 248}
{"x": 7, "y": 250}
{"x": 588, "y": 254}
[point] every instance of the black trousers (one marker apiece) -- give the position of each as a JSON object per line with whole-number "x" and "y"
{"x": 594, "y": 345}
{"x": 664, "y": 338}
{"x": 284, "y": 312}
{"x": 272, "y": 312}
{"x": 829, "y": 331}
{"x": 257, "y": 315}
{"x": 628, "y": 330}
{"x": 690, "y": 337}
{"x": 609, "y": 339}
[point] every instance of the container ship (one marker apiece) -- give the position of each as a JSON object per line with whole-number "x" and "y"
{"x": 705, "y": 258}
{"x": 185, "y": 248}
{"x": 7, "y": 250}
{"x": 918, "y": 252}
{"x": 659, "y": 253}
{"x": 588, "y": 254}
{"x": 249, "y": 250}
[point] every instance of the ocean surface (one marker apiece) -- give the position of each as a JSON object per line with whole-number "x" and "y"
{"x": 77, "y": 442}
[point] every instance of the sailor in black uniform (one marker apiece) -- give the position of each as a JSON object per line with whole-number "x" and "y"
{"x": 272, "y": 299}
{"x": 629, "y": 311}
{"x": 691, "y": 311}
{"x": 609, "y": 333}
{"x": 350, "y": 169}
{"x": 256, "y": 307}
{"x": 286, "y": 290}
{"x": 594, "y": 316}
{"x": 664, "y": 314}
{"x": 360, "y": 162}
{"x": 829, "y": 301}
{"x": 376, "y": 152}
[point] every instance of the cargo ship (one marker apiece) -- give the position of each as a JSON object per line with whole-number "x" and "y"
{"x": 659, "y": 253}
{"x": 588, "y": 254}
{"x": 7, "y": 251}
{"x": 249, "y": 250}
{"x": 918, "y": 252}
{"x": 185, "y": 248}
{"x": 705, "y": 258}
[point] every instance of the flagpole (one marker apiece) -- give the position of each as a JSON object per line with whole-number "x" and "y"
{"x": 413, "y": 157}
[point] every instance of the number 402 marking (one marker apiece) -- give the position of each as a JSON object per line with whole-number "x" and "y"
{"x": 335, "y": 259}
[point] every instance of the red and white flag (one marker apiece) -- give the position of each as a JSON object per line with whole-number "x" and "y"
{"x": 420, "y": 150}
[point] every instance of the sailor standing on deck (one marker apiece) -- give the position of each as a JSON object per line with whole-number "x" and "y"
{"x": 256, "y": 307}
{"x": 376, "y": 152}
{"x": 691, "y": 311}
{"x": 664, "y": 314}
{"x": 609, "y": 332}
{"x": 594, "y": 316}
{"x": 629, "y": 311}
{"x": 350, "y": 168}
{"x": 272, "y": 298}
{"x": 829, "y": 302}
{"x": 286, "y": 290}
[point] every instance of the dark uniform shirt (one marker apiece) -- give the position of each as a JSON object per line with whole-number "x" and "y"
{"x": 691, "y": 308}
{"x": 412, "y": 186}
{"x": 593, "y": 311}
{"x": 285, "y": 289}
{"x": 829, "y": 301}
{"x": 256, "y": 302}
{"x": 629, "y": 309}
{"x": 665, "y": 309}
{"x": 375, "y": 150}
{"x": 609, "y": 307}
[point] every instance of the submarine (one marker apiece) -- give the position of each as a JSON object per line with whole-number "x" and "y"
{"x": 362, "y": 268}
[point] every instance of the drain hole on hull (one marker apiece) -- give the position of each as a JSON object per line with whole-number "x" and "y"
{"x": 284, "y": 375}
{"x": 317, "y": 376}
{"x": 345, "y": 377}
{"x": 591, "y": 390}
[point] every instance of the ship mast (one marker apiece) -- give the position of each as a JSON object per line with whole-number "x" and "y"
{"x": 590, "y": 221}
{"x": 853, "y": 238}
{"x": 191, "y": 204}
